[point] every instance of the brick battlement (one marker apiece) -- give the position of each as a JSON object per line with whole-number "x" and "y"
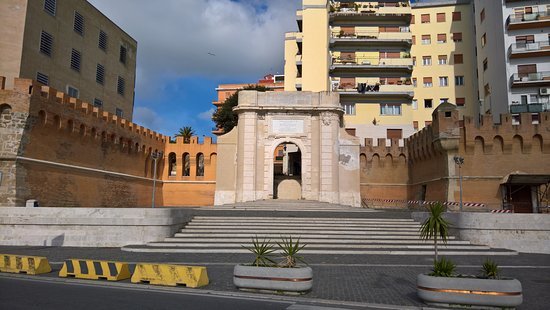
{"x": 420, "y": 145}
{"x": 57, "y": 109}
{"x": 383, "y": 149}
{"x": 193, "y": 140}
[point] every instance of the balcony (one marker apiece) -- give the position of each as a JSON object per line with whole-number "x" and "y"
{"x": 528, "y": 20}
{"x": 371, "y": 11}
{"x": 532, "y": 49}
{"x": 370, "y": 38}
{"x": 364, "y": 65}
{"x": 375, "y": 91}
{"x": 536, "y": 79}
{"x": 524, "y": 108}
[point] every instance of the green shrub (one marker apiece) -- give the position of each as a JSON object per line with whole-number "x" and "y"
{"x": 290, "y": 250}
{"x": 263, "y": 251}
{"x": 443, "y": 268}
{"x": 490, "y": 269}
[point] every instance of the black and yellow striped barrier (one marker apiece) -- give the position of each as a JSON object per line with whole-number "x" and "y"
{"x": 24, "y": 264}
{"x": 95, "y": 270}
{"x": 170, "y": 275}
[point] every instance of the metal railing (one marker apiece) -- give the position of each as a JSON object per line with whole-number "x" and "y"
{"x": 529, "y": 46}
{"x": 531, "y": 77}
{"x": 369, "y": 61}
{"x": 342, "y": 34}
{"x": 355, "y": 7}
{"x": 524, "y": 108}
{"x": 527, "y": 17}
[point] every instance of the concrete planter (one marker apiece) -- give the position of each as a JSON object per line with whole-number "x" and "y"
{"x": 272, "y": 278}
{"x": 469, "y": 291}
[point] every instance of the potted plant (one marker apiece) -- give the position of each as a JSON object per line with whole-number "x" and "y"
{"x": 265, "y": 274}
{"x": 444, "y": 286}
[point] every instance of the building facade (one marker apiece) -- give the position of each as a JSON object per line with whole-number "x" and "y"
{"x": 71, "y": 46}
{"x": 513, "y": 56}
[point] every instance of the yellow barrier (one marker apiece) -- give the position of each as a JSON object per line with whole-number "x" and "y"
{"x": 171, "y": 275}
{"x": 95, "y": 270}
{"x": 24, "y": 264}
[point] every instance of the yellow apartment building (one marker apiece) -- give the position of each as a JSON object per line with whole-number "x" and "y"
{"x": 371, "y": 53}
{"x": 70, "y": 46}
{"x": 444, "y": 60}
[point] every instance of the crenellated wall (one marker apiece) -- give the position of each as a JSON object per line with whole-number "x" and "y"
{"x": 64, "y": 152}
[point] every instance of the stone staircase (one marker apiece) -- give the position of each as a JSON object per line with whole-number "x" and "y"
{"x": 346, "y": 232}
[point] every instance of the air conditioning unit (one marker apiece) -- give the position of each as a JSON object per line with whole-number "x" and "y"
{"x": 544, "y": 91}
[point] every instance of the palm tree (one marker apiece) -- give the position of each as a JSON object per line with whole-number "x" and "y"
{"x": 186, "y": 132}
{"x": 435, "y": 226}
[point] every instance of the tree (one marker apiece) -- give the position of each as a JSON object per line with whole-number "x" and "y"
{"x": 435, "y": 226}
{"x": 224, "y": 117}
{"x": 186, "y": 132}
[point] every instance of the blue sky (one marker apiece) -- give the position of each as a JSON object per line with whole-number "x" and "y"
{"x": 176, "y": 75}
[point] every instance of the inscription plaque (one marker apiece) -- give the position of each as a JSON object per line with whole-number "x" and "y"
{"x": 286, "y": 126}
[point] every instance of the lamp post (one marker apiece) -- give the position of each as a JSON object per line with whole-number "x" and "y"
{"x": 155, "y": 156}
{"x": 459, "y": 161}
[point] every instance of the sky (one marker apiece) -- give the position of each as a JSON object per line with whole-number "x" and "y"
{"x": 176, "y": 73}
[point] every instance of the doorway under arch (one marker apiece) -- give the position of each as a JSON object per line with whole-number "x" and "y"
{"x": 287, "y": 172}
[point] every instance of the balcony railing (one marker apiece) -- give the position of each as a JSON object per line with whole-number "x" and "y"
{"x": 516, "y": 19}
{"x": 382, "y": 86}
{"x": 530, "y": 48}
{"x": 404, "y": 34}
{"x": 372, "y": 61}
{"x": 371, "y": 7}
{"x": 529, "y": 78}
{"x": 524, "y": 108}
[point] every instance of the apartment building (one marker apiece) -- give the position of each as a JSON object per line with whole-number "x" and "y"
{"x": 270, "y": 81}
{"x": 71, "y": 46}
{"x": 360, "y": 49}
{"x": 513, "y": 54}
{"x": 444, "y": 59}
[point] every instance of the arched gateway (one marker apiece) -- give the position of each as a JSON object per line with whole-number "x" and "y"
{"x": 309, "y": 125}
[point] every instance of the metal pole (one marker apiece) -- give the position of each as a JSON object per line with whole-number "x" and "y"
{"x": 460, "y": 178}
{"x": 154, "y": 179}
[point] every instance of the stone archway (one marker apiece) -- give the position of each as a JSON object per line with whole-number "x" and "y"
{"x": 287, "y": 172}
{"x": 329, "y": 157}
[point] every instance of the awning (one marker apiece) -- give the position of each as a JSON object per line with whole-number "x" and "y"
{"x": 526, "y": 179}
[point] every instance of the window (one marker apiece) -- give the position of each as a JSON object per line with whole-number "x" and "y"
{"x": 349, "y": 108}
{"x": 443, "y": 81}
{"x": 394, "y": 134}
{"x": 458, "y": 58}
{"x": 98, "y": 103}
{"x": 459, "y": 80}
{"x": 414, "y": 82}
{"x": 414, "y": 104}
{"x": 457, "y": 16}
{"x": 120, "y": 86}
{"x": 414, "y": 61}
{"x": 102, "y": 42}
{"x": 442, "y": 59}
{"x": 483, "y": 40}
{"x": 72, "y": 91}
{"x": 441, "y": 38}
{"x": 390, "y": 109}
{"x": 428, "y": 82}
{"x": 487, "y": 89}
{"x": 415, "y": 125}
{"x": 426, "y": 60}
{"x": 428, "y": 103}
{"x": 485, "y": 64}
{"x": 440, "y": 17}
{"x": 46, "y": 43}
{"x": 526, "y": 70}
{"x": 119, "y": 113}
{"x": 186, "y": 165}
{"x": 412, "y": 19}
{"x": 122, "y": 56}
{"x": 200, "y": 165}
{"x": 76, "y": 58}
{"x": 426, "y": 39}
{"x": 460, "y": 102}
{"x": 50, "y": 6}
{"x": 482, "y": 15}
{"x": 42, "y": 78}
{"x": 457, "y": 37}
{"x": 78, "y": 23}
{"x": 100, "y": 74}
{"x": 425, "y": 18}
{"x": 413, "y": 40}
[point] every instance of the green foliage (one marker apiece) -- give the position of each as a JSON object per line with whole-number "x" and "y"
{"x": 443, "y": 268}
{"x": 224, "y": 117}
{"x": 290, "y": 251}
{"x": 490, "y": 269}
{"x": 186, "y": 132}
{"x": 435, "y": 226}
{"x": 263, "y": 251}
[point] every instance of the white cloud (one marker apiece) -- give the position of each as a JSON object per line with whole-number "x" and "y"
{"x": 207, "y": 115}
{"x": 175, "y": 36}
{"x": 147, "y": 118}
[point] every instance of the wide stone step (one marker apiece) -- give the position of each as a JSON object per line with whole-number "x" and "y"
{"x": 374, "y": 235}
{"x": 294, "y": 219}
{"x": 312, "y": 241}
{"x": 357, "y": 231}
{"x": 301, "y": 224}
{"x": 323, "y": 246}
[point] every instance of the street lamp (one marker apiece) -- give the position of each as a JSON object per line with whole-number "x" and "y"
{"x": 155, "y": 156}
{"x": 459, "y": 161}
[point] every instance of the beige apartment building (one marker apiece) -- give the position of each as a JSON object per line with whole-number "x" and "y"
{"x": 391, "y": 62}
{"x": 71, "y": 46}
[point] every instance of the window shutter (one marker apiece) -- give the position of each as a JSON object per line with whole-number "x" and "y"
{"x": 457, "y": 16}
{"x": 440, "y": 17}
{"x": 425, "y": 18}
